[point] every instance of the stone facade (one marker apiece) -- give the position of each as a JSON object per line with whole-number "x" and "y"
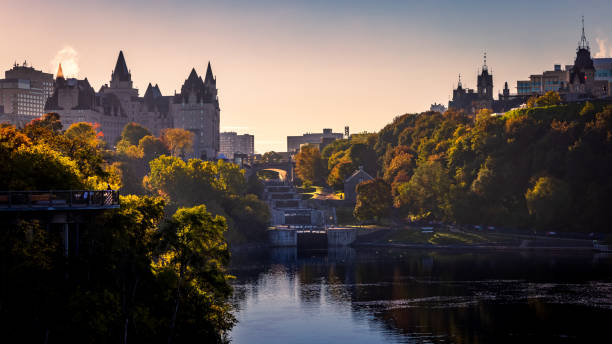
{"x": 196, "y": 109}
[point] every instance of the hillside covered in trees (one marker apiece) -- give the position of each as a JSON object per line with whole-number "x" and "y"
{"x": 546, "y": 166}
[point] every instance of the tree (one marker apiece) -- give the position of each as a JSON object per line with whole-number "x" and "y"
{"x": 360, "y": 154}
{"x": 50, "y": 121}
{"x": 339, "y": 173}
{"x": 231, "y": 177}
{"x": 426, "y": 194}
{"x": 587, "y": 109}
{"x": 250, "y": 217}
{"x": 549, "y": 98}
{"x": 309, "y": 165}
{"x": 133, "y": 133}
{"x": 194, "y": 251}
{"x": 549, "y": 202}
{"x": 152, "y": 147}
{"x": 82, "y": 143}
{"x": 373, "y": 200}
{"x": 179, "y": 141}
{"x": 271, "y": 157}
{"x": 28, "y": 166}
{"x": 85, "y": 132}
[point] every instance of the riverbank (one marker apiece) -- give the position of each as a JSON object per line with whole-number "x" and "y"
{"x": 449, "y": 238}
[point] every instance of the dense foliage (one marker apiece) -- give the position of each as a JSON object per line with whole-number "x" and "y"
{"x": 544, "y": 166}
{"x": 151, "y": 271}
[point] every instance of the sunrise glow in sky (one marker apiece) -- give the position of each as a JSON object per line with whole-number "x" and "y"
{"x": 289, "y": 67}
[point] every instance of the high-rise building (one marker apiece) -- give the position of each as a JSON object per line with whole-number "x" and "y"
{"x": 24, "y": 90}
{"x": 319, "y": 139}
{"x": 231, "y": 143}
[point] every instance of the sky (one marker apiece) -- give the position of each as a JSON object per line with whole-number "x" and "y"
{"x": 291, "y": 67}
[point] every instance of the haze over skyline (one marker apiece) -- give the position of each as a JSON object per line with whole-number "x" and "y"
{"x": 289, "y": 67}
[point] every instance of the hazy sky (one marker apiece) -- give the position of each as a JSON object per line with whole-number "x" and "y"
{"x": 289, "y": 67}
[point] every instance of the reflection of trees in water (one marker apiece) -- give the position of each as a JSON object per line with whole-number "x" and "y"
{"x": 444, "y": 296}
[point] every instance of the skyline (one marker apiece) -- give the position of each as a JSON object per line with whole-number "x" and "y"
{"x": 300, "y": 67}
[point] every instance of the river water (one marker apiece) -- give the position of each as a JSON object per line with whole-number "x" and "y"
{"x": 413, "y": 296}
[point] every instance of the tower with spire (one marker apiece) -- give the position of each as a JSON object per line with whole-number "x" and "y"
{"x": 485, "y": 82}
{"x": 582, "y": 74}
{"x": 121, "y": 76}
{"x": 196, "y": 108}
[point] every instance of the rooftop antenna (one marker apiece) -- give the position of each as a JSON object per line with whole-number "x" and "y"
{"x": 584, "y": 44}
{"x": 459, "y": 84}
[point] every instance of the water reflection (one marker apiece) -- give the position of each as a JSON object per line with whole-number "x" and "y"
{"x": 407, "y": 296}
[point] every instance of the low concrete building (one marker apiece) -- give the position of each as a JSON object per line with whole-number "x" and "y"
{"x": 318, "y": 139}
{"x": 350, "y": 184}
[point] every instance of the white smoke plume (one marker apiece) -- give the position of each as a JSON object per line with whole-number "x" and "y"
{"x": 603, "y": 50}
{"x": 69, "y": 58}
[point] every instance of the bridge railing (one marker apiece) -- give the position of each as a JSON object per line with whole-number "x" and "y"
{"x": 59, "y": 199}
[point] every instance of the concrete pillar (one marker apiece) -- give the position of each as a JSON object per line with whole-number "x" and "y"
{"x": 77, "y": 240}
{"x": 66, "y": 236}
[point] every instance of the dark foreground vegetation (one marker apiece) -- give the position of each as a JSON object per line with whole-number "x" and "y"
{"x": 153, "y": 270}
{"x": 546, "y": 166}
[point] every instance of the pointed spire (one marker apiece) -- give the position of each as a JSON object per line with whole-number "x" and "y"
{"x": 193, "y": 75}
{"x": 484, "y": 66}
{"x": 121, "y": 71}
{"x": 584, "y": 44}
{"x": 209, "y": 75}
{"x": 60, "y": 73}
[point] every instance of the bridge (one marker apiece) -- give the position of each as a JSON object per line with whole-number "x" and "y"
{"x": 64, "y": 208}
{"x": 59, "y": 200}
{"x": 284, "y": 169}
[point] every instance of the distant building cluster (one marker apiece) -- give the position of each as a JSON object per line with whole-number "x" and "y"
{"x": 195, "y": 108}
{"x": 318, "y": 139}
{"x": 437, "y": 108}
{"x": 232, "y": 144}
{"x": 26, "y": 93}
{"x": 587, "y": 78}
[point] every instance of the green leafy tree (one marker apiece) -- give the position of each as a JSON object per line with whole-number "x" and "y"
{"x": 588, "y": 109}
{"x": 360, "y": 154}
{"x": 152, "y": 147}
{"x": 339, "y": 173}
{"x": 549, "y": 98}
{"x": 133, "y": 133}
{"x": 373, "y": 200}
{"x": 271, "y": 157}
{"x": 426, "y": 194}
{"x": 194, "y": 251}
{"x": 549, "y": 202}
{"x": 309, "y": 166}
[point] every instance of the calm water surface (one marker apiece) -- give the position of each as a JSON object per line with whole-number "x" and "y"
{"x": 411, "y": 296}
